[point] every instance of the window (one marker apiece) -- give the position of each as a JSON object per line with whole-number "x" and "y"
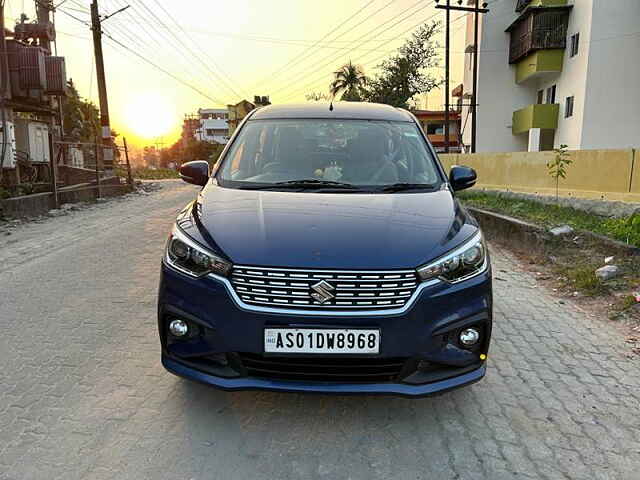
{"x": 435, "y": 129}
{"x": 216, "y": 132}
{"x": 358, "y": 152}
{"x": 540, "y": 96}
{"x": 575, "y": 42}
{"x": 568, "y": 107}
{"x": 551, "y": 94}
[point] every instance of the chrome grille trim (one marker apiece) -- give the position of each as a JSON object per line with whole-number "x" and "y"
{"x": 352, "y": 290}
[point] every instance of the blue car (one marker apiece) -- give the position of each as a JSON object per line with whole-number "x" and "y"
{"x": 327, "y": 252}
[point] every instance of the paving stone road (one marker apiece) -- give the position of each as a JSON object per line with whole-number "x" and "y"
{"x": 83, "y": 394}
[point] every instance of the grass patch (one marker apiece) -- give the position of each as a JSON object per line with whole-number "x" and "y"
{"x": 626, "y": 229}
{"x": 583, "y": 279}
{"x": 149, "y": 173}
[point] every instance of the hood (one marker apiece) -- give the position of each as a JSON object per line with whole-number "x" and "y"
{"x": 334, "y": 231}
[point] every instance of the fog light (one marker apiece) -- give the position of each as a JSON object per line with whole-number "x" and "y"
{"x": 178, "y": 328}
{"x": 469, "y": 337}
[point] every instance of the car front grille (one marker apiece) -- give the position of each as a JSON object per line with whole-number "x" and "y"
{"x": 323, "y": 369}
{"x": 323, "y": 289}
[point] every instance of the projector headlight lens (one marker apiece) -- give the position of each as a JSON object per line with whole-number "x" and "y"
{"x": 461, "y": 263}
{"x": 188, "y": 257}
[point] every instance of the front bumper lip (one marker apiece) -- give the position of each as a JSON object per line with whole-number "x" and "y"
{"x": 251, "y": 383}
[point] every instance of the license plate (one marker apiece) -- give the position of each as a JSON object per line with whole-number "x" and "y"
{"x": 321, "y": 340}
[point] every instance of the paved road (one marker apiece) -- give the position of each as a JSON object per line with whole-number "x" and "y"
{"x": 83, "y": 395}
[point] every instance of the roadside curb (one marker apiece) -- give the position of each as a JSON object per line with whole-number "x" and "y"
{"x": 529, "y": 236}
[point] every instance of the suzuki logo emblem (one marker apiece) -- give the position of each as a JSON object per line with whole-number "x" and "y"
{"x": 322, "y": 292}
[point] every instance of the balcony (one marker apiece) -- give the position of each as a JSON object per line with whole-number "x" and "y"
{"x": 524, "y": 4}
{"x": 539, "y": 63}
{"x": 538, "y": 115}
{"x": 538, "y": 28}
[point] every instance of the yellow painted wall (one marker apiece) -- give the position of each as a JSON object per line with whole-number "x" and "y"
{"x": 635, "y": 181}
{"x": 604, "y": 174}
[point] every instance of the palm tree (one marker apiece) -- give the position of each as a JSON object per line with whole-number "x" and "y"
{"x": 349, "y": 79}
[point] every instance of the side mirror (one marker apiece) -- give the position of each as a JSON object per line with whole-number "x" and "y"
{"x": 196, "y": 172}
{"x": 462, "y": 177}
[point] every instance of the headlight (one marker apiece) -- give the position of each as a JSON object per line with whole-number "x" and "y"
{"x": 187, "y": 256}
{"x": 459, "y": 264}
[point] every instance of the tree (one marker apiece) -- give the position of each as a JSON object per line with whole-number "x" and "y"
{"x": 81, "y": 117}
{"x": 317, "y": 96}
{"x": 349, "y": 80}
{"x": 405, "y": 74}
{"x": 558, "y": 166}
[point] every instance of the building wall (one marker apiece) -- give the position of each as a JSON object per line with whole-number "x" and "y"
{"x": 612, "y": 109}
{"x": 594, "y": 174}
{"x": 603, "y": 79}
{"x": 498, "y": 94}
{"x": 573, "y": 78}
{"x": 213, "y": 119}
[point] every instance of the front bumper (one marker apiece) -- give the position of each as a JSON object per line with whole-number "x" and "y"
{"x": 418, "y": 335}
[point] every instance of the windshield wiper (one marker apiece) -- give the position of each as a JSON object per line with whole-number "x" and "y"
{"x": 312, "y": 182}
{"x": 303, "y": 183}
{"x": 398, "y": 187}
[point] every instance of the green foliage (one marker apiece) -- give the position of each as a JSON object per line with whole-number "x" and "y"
{"x": 401, "y": 77}
{"x": 626, "y": 229}
{"x": 187, "y": 150}
{"x": 349, "y": 80}
{"x": 405, "y": 74}
{"x": 81, "y": 117}
{"x": 557, "y": 167}
{"x": 4, "y": 193}
{"x": 317, "y": 96}
{"x": 583, "y": 278}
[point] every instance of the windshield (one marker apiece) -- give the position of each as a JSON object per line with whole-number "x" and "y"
{"x": 325, "y": 154}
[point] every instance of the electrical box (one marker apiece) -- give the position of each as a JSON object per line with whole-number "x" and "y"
{"x": 76, "y": 157}
{"x": 56, "y": 76}
{"x": 27, "y": 71}
{"x": 32, "y": 140}
{"x": 9, "y": 146}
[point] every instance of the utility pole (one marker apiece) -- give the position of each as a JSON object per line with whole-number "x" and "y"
{"x": 447, "y": 68}
{"x": 107, "y": 152}
{"x": 5, "y": 94}
{"x": 43, "y": 7}
{"x": 476, "y": 10}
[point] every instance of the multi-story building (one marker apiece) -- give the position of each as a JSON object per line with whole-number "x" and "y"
{"x": 554, "y": 72}
{"x": 241, "y": 109}
{"x": 433, "y": 122}
{"x": 214, "y": 126}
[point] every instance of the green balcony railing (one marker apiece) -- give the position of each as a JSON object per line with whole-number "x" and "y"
{"x": 535, "y": 116}
{"x": 539, "y": 62}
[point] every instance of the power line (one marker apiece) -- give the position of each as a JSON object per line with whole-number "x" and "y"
{"x": 207, "y": 57}
{"x": 161, "y": 46}
{"x": 370, "y": 32}
{"x": 362, "y": 36}
{"x": 146, "y": 60}
{"x": 324, "y": 65}
{"x": 377, "y": 59}
{"x": 273, "y": 75}
{"x": 179, "y": 40}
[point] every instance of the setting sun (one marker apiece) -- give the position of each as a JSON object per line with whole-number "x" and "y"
{"x": 149, "y": 115}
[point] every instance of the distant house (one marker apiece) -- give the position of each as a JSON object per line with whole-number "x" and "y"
{"x": 241, "y": 109}
{"x": 214, "y": 127}
{"x": 433, "y": 121}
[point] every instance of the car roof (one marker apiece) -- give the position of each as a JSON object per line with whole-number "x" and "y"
{"x": 341, "y": 110}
